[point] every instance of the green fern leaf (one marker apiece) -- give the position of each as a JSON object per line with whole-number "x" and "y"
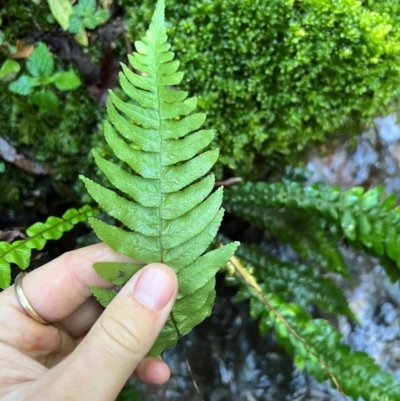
{"x": 304, "y": 232}
{"x": 366, "y": 220}
{"x": 19, "y": 252}
{"x": 317, "y": 347}
{"x": 165, "y": 201}
{"x": 295, "y": 281}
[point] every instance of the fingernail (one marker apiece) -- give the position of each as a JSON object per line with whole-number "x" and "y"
{"x": 153, "y": 289}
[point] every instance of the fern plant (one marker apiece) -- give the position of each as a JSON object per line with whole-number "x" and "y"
{"x": 316, "y": 346}
{"x": 168, "y": 205}
{"x": 163, "y": 198}
{"x": 363, "y": 218}
{"x": 308, "y": 218}
{"x": 19, "y": 252}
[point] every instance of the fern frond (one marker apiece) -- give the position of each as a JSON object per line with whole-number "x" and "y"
{"x": 366, "y": 219}
{"x": 166, "y": 202}
{"x": 304, "y": 232}
{"x": 316, "y": 346}
{"x": 294, "y": 281}
{"x": 19, "y": 252}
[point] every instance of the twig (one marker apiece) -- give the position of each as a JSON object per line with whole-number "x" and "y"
{"x": 229, "y": 182}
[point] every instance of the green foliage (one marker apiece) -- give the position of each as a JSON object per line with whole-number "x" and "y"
{"x": 128, "y": 393}
{"x": 56, "y": 141}
{"x": 19, "y": 252}
{"x": 309, "y": 217}
{"x": 9, "y": 70}
{"x": 317, "y": 347}
{"x": 312, "y": 242}
{"x": 275, "y": 75}
{"x": 294, "y": 281}
{"x": 169, "y": 210}
{"x": 363, "y": 218}
{"x": 61, "y": 11}
{"x": 85, "y": 15}
{"x": 18, "y": 18}
{"x": 40, "y": 65}
{"x": 14, "y": 184}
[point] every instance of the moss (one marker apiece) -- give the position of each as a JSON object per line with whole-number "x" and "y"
{"x": 274, "y": 76}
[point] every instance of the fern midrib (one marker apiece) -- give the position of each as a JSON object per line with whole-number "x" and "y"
{"x": 160, "y": 154}
{"x": 25, "y": 241}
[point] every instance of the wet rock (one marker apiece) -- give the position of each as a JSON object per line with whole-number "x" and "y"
{"x": 388, "y": 128}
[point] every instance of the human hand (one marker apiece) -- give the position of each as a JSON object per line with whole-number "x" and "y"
{"x": 86, "y": 353}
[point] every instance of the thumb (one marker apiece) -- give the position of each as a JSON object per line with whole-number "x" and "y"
{"x": 123, "y": 334}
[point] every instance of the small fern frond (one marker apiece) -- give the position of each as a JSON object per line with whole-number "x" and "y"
{"x": 295, "y": 282}
{"x": 366, "y": 219}
{"x": 304, "y": 232}
{"x": 19, "y": 252}
{"x": 167, "y": 203}
{"x": 316, "y": 346}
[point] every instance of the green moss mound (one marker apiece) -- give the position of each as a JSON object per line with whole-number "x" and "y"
{"x": 276, "y": 75}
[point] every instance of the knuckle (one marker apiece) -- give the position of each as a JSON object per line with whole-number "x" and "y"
{"x": 120, "y": 339}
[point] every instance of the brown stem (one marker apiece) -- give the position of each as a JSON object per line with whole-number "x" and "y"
{"x": 252, "y": 283}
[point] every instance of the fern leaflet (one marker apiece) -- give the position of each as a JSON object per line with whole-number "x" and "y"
{"x": 19, "y": 252}
{"x": 169, "y": 208}
{"x": 295, "y": 281}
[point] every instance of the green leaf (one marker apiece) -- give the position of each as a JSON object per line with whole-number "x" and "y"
{"x": 371, "y": 198}
{"x": 295, "y": 281}
{"x": 66, "y": 80}
{"x": 317, "y": 347}
{"x": 362, "y": 218}
{"x": 86, "y": 16}
{"x": 103, "y": 296}
{"x": 93, "y": 21}
{"x": 61, "y": 11}
{"x": 117, "y": 273}
{"x": 19, "y": 252}
{"x": 24, "y": 85}
{"x": 129, "y": 393}
{"x": 82, "y": 38}
{"x": 164, "y": 201}
{"x": 47, "y": 101}
{"x": 85, "y": 8}
{"x": 75, "y": 24}
{"x": 40, "y": 63}
{"x": 9, "y": 70}
{"x": 5, "y": 273}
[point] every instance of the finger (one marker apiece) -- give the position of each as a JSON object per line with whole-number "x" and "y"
{"x": 60, "y": 287}
{"x": 82, "y": 319}
{"x": 153, "y": 371}
{"x": 120, "y": 339}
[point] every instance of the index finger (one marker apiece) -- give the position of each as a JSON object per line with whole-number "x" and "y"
{"x": 60, "y": 287}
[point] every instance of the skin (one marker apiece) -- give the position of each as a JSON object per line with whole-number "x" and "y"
{"x": 86, "y": 353}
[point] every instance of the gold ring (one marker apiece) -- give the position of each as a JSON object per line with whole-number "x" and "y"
{"x": 24, "y": 301}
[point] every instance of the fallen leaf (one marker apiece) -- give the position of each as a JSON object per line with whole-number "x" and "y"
{"x": 9, "y": 154}
{"x": 23, "y": 51}
{"x": 9, "y": 235}
{"x": 229, "y": 182}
